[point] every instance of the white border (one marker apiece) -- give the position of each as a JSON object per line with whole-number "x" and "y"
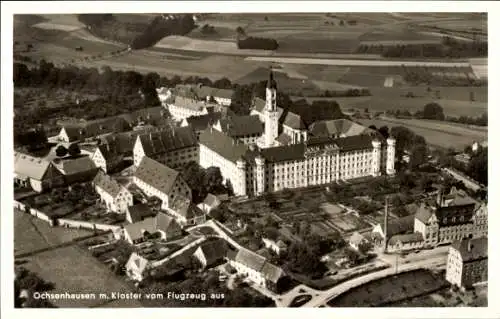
{"x": 8, "y": 8}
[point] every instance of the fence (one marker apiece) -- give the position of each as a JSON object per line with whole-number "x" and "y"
{"x": 87, "y": 225}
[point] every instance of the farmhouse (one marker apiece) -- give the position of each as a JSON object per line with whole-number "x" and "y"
{"x": 300, "y": 162}
{"x": 467, "y": 262}
{"x": 107, "y": 157}
{"x": 76, "y": 170}
{"x": 162, "y": 224}
{"x": 405, "y": 242}
{"x": 173, "y": 147}
{"x": 36, "y": 173}
{"x": 277, "y": 247}
{"x": 138, "y": 212}
{"x": 116, "y": 197}
{"x": 257, "y": 269}
{"x": 211, "y": 253}
{"x": 90, "y": 129}
{"x": 156, "y": 179}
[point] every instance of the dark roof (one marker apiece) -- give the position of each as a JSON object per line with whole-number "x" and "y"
{"x": 236, "y": 126}
{"x": 139, "y": 212}
{"x": 399, "y": 226}
{"x": 353, "y": 143}
{"x": 201, "y": 122}
{"x": 152, "y": 115}
{"x": 96, "y": 127}
{"x": 250, "y": 259}
{"x": 156, "y": 174}
{"x": 169, "y": 140}
{"x": 213, "y": 250}
{"x": 338, "y": 128}
{"x": 222, "y": 144}
{"x": 294, "y": 121}
{"x": 73, "y": 166}
{"x": 423, "y": 213}
{"x": 472, "y": 249}
{"x": 107, "y": 183}
{"x": 284, "y": 153}
{"x": 406, "y": 238}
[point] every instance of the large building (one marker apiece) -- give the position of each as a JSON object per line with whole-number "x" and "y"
{"x": 451, "y": 217}
{"x": 173, "y": 147}
{"x": 468, "y": 262}
{"x": 285, "y": 155}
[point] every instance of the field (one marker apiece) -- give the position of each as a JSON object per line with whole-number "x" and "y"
{"x": 390, "y": 289}
{"x": 439, "y": 134}
{"x": 31, "y": 234}
{"x": 74, "y": 270}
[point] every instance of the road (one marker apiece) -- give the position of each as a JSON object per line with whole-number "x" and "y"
{"x": 435, "y": 258}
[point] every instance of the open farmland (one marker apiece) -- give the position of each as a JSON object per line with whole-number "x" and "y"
{"x": 31, "y": 234}
{"x": 86, "y": 275}
{"x": 438, "y": 134}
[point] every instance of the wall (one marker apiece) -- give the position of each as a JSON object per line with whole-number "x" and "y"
{"x": 87, "y": 225}
{"x": 468, "y": 182}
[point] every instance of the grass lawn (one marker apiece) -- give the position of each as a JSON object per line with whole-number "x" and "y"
{"x": 32, "y": 234}
{"x": 442, "y": 135}
{"x": 74, "y": 270}
{"x": 390, "y": 289}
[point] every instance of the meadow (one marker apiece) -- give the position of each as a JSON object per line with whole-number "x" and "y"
{"x": 438, "y": 134}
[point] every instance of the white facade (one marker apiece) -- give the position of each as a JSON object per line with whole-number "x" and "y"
{"x": 175, "y": 158}
{"x": 228, "y": 169}
{"x": 179, "y": 113}
{"x": 180, "y": 188}
{"x": 118, "y": 203}
{"x": 271, "y": 118}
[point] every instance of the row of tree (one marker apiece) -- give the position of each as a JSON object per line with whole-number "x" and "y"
{"x": 257, "y": 43}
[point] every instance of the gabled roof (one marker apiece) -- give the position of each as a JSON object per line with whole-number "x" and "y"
{"x": 189, "y": 103}
{"x": 472, "y": 249}
{"x": 161, "y": 142}
{"x": 123, "y": 143}
{"x": 211, "y": 200}
{"x": 294, "y": 121}
{"x": 423, "y": 213}
{"x": 406, "y": 238}
{"x": 250, "y": 259}
{"x": 96, "y": 127}
{"x": 222, "y": 144}
{"x": 201, "y": 122}
{"x": 272, "y": 272}
{"x": 284, "y": 153}
{"x": 161, "y": 222}
{"x": 213, "y": 250}
{"x": 156, "y": 174}
{"x": 73, "y": 166}
{"x": 30, "y": 166}
{"x": 338, "y": 128}
{"x": 153, "y": 115}
{"x": 139, "y": 212}
{"x": 236, "y": 126}
{"x": 107, "y": 183}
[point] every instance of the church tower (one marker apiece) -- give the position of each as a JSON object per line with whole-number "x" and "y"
{"x": 271, "y": 113}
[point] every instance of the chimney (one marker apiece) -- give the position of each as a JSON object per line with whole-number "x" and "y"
{"x": 469, "y": 245}
{"x": 386, "y": 217}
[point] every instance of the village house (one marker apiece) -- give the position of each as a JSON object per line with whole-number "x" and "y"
{"x": 90, "y": 129}
{"x": 277, "y": 246}
{"x": 257, "y": 269}
{"x": 397, "y": 226}
{"x": 181, "y": 107}
{"x": 156, "y": 179}
{"x": 37, "y": 173}
{"x": 405, "y": 242}
{"x": 76, "y": 170}
{"x": 209, "y": 203}
{"x": 138, "y": 212}
{"x": 201, "y": 122}
{"x": 116, "y": 197}
{"x": 173, "y": 147}
{"x": 107, "y": 157}
{"x": 185, "y": 212}
{"x": 467, "y": 262}
{"x": 211, "y": 253}
{"x": 161, "y": 224}
{"x": 136, "y": 267}
{"x": 202, "y": 92}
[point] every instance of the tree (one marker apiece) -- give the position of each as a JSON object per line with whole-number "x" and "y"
{"x": 61, "y": 151}
{"x": 418, "y": 156}
{"x": 433, "y": 111}
{"x": 74, "y": 149}
{"x": 384, "y": 130}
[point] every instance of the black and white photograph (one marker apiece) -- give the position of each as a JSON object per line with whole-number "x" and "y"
{"x": 262, "y": 159}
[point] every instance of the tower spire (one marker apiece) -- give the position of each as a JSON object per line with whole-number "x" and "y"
{"x": 271, "y": 83}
